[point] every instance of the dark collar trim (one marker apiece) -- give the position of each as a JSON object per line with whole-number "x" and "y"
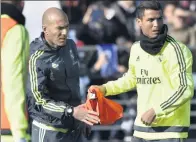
{"x": 13, "y": 12}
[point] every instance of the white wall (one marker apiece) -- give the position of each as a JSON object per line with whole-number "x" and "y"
{"x": 33, "y": 11}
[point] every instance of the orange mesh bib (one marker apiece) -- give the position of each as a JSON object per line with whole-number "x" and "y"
{"x": 109, "y": 111}
{"x": 6, "y": 24}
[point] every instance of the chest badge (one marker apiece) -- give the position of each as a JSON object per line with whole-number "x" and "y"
{"x": 54, "y": 65}
{"x": 161, "y": 58}
{"x": 138, "y": 58}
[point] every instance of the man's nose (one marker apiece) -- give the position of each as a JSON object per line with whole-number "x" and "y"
{"x": 156, "y": 23}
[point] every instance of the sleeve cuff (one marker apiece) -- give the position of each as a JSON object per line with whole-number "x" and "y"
{"x": 158, "y": 111}
{"x": 107, "y": 92}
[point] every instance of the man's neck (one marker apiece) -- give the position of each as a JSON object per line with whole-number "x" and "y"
{"x": 48, "y": 41}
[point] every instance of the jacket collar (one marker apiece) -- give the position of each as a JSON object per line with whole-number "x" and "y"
{"x": 46, "y": 46}
{"x": 154, "y": 46}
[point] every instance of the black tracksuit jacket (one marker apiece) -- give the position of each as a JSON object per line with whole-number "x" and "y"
{"x": 53, "y": 82}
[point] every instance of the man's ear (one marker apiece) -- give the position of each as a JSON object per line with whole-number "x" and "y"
{"x": 44, "y": 28}
{"x": 139, "y": 22}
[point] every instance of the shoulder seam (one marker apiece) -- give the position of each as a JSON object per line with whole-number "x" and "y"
{"x": 135, "y": 42}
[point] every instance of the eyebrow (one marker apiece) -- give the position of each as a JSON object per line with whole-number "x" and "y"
{"x": 150, "y": 18}
{"x": 65, "y": 26}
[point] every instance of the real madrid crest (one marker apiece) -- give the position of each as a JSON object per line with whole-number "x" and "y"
{"x": 74, "y": 61}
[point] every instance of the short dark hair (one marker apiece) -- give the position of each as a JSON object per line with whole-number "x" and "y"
{"x": 152, "y": 4}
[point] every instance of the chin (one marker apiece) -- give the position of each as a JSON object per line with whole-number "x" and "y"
{"x": 62, "y": 44}
{"x": 154, "y": 36}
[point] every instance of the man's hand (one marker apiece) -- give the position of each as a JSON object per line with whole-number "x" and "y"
{"x": 87, "y": 116}
{"x": 148, "y": 117}
{"x": 100, "y": 87}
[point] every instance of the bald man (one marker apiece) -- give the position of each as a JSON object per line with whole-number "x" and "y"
{"x": 53, "y": 99}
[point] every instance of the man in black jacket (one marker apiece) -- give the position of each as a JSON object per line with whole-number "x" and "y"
{"x": 53, "y": 84}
